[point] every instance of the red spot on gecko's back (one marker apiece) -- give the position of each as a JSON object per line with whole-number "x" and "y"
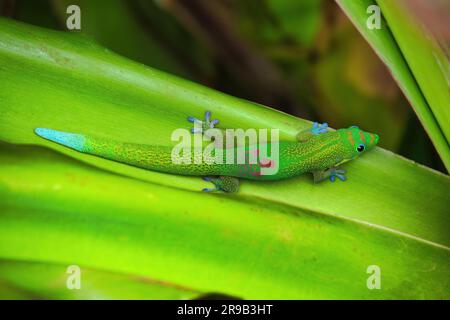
{"x": 266, "y": 163}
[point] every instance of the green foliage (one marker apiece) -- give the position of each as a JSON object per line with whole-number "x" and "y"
{"x": 37, "y": 280}
{"x": 334, "y": 73}
{"x": 288, "y": 239}
{"x": 302, "y": 57}
{"x": 416, "y": 62}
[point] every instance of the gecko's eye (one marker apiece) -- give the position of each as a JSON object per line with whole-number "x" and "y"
{"x": 361, "y": 148}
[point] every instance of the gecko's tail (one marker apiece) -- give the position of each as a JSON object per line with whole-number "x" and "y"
{"x": 72, "y": 140}
{"x": 152, "y": 157}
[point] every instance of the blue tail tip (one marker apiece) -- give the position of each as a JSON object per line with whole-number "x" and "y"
{"x": 43, "y": 132}
{"x": 71, "y": 140}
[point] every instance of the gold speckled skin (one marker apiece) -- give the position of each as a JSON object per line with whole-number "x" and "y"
{"x": 320, "y": 152}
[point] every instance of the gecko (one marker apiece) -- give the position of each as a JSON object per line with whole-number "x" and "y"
{"x": 316, "y": 150}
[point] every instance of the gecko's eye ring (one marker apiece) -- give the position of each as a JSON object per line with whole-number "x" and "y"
{"x": 361, "y": 148}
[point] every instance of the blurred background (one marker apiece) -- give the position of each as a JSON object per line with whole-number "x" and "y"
{"x": 303, "y": 57}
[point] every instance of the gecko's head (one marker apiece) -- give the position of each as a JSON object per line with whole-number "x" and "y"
{"x": 357, "y": 141}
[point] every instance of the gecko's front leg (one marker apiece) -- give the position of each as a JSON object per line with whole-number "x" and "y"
{"x": 331, "y": 174}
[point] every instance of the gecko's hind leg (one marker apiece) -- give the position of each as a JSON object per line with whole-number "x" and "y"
{"x": 223, "y": 183}
{"x": 201, "y": 126}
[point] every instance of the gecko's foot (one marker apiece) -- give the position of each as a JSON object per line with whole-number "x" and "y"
{"x": 210, "y": 179}
{"x": 319, "y": 128}
{"x": 201, "y": 126}
{"x": 222, "y": 183}
{"x": 337, "y": 173}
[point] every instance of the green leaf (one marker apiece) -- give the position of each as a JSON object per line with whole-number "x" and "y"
{"x": 35, "y": 280}
{"x": 145, "y": 33}
{"x": 416, "y": 62}
{"x": 287, "y": 15}
{"x": 288, "y": 239}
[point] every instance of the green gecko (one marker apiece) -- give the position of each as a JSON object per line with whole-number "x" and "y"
{"x": 317, "y": 151}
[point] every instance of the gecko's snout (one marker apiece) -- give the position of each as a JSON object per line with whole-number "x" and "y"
{"x": 371, "y": 139}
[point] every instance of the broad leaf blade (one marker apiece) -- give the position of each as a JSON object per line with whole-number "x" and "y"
{"x": 59, "y": 210}
{"x": 36, "y": 280}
